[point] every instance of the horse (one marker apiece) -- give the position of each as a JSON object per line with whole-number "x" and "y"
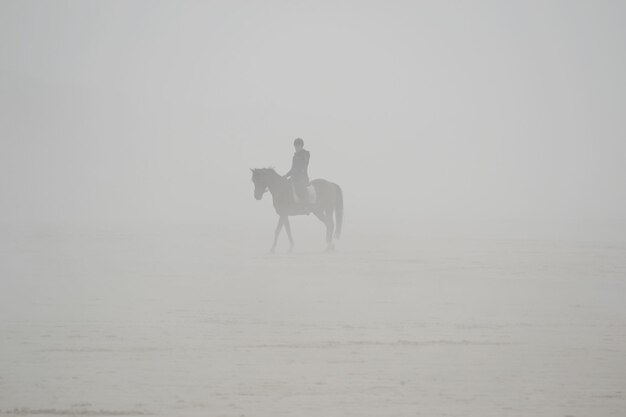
{"x": 329, "y": 200}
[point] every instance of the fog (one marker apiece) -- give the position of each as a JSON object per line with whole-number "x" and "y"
{"x": 480, "y": 147}
{"x": 500, "y": 118}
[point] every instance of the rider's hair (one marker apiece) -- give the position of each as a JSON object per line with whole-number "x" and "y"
{"x": 298, "y": 141}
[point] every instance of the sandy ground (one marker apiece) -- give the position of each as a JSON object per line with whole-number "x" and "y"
{"x": 123, "y": 324}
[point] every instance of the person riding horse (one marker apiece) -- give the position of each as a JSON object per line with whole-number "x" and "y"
{"x": 299, "y": 172}
{"x": 327, "y": 205}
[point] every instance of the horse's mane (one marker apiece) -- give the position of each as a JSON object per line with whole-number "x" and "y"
{"x": 266, "y": 170}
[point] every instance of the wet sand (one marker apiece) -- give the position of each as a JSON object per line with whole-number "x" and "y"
{"x": 131, "y": 324}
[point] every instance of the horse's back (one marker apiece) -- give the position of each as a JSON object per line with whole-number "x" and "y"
{"x": 321, "y": 182}
{"x": 326, "y": 191}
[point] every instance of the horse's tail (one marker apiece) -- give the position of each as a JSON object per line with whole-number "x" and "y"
{"x": 338, "y": 211}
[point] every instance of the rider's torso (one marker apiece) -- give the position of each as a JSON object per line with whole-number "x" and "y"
{"x": 300, "y": 165}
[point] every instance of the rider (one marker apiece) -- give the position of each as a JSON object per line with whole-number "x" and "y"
{"x": 298, "y": 172}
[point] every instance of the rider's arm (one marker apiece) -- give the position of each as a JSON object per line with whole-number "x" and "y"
{"x": 293, "y": 165}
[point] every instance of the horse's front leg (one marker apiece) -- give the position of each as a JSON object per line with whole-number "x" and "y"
{"x": 279, "y": 227}
{"x": 288, "y": 229}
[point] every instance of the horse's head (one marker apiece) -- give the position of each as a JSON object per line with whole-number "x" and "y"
{"x": 259, "y": 179}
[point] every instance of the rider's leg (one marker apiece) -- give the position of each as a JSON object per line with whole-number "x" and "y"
{"x": 303, "y": 193}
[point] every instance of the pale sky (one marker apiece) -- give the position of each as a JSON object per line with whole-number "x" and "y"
{"x": 485, "y": 114}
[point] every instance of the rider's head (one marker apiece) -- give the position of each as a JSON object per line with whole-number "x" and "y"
{"x": 298, "y": 144}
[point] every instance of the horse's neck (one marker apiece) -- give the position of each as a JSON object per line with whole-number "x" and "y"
{"x": 279, "y": 188}
{"x": 276, "y": 183}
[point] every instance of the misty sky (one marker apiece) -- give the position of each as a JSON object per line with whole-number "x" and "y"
{"x": 442, "y": 112}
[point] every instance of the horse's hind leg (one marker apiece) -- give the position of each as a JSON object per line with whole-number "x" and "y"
{"x": 279, "y": 227}
{"x": 330, "y": 228}
{"x": 320, "y": 215}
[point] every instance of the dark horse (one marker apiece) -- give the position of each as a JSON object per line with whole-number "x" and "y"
{"x": 329, "y": 199}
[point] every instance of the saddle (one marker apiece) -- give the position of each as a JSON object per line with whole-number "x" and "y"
{"x": 311, "y": 195}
